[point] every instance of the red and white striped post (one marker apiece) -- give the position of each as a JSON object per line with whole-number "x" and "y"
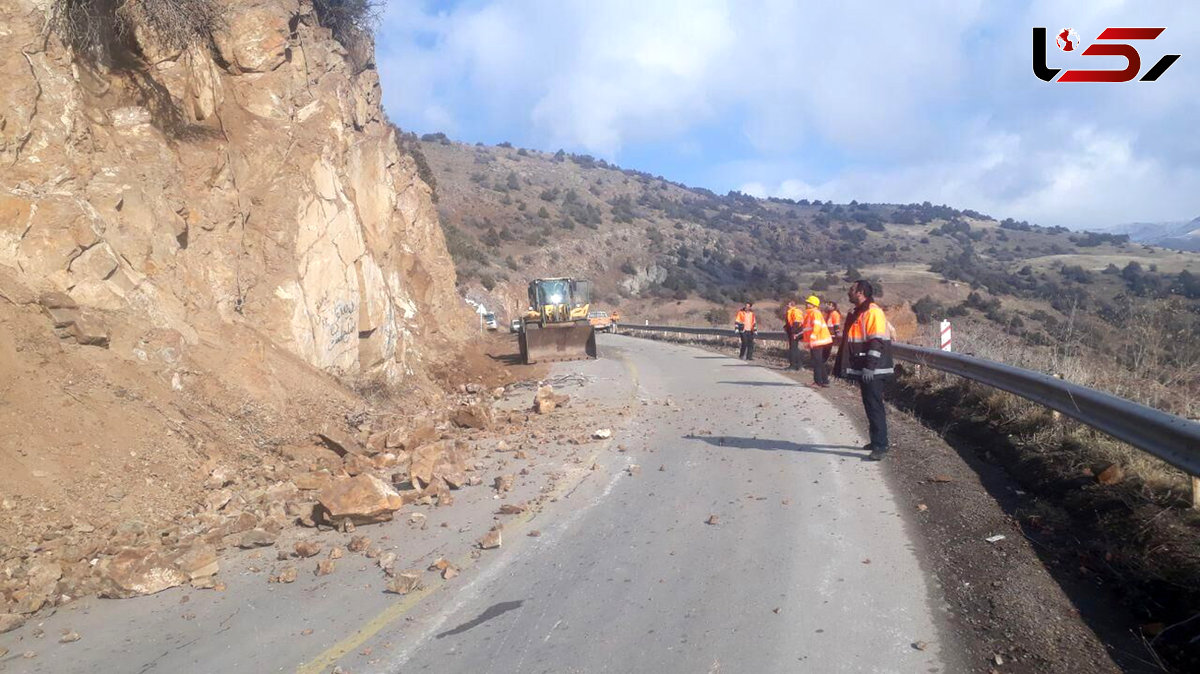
{"x": 946, "y": 336}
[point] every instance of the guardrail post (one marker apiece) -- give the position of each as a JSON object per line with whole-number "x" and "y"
{"x": 1055, "y": 414}
{"x": 1196, "y": 491}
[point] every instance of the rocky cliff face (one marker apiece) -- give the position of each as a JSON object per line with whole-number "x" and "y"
{"x": 193, "y": 239}
{"x": 245, "y": 180}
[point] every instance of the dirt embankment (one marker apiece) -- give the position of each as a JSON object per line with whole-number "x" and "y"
{"x": 212, "y": 252}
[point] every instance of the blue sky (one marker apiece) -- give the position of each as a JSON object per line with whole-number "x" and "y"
{"x": 874, "y": 101}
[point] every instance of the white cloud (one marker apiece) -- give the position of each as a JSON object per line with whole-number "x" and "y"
{"x": 852, "y": 100}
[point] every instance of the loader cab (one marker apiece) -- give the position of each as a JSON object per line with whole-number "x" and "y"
{"x": 556, "y": 327}
{"x": 556, "y": 300}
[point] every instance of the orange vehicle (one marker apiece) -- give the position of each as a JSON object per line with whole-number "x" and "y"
{"x": 601, "y": 320}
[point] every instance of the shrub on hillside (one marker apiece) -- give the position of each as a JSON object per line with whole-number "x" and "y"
{"x": 352, "y": 22}
{"x": 102, "y": 30}
{"x": 927, "y": 309}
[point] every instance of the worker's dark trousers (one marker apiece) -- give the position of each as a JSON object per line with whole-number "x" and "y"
{"x": 793, "y": 353}
{"x": 747, "y": 350}
{"x": 872, "y": 399}
{"x": 820, "y": 358}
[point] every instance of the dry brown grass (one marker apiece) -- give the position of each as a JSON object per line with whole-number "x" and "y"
{"x": 1032, "y": 425}
{"x": 102, "y": 31}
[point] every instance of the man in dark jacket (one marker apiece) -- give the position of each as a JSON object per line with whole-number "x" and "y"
{"x": 865, "y": 354}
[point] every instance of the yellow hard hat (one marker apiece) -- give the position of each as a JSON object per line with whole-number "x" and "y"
{"x": 813, "y": 300}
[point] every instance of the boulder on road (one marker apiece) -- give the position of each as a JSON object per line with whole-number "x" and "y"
{"x": 405, "y": 582}
{"x": 438, "y": 461}
{"x": 360, "y": 499}
{"x": 475, "y": 415}
{"x": 197, "y": 561}
{"x": 546, "y": 401}
{"x": 10, "y": 622}
{"x": 491, "y": 539}
{"x": 307, "y": 548}
{"x": 137, "y": 571}
{"x": 256, "y": 538}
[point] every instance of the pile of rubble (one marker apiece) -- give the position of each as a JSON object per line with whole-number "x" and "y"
{"x": 345, "y": 478}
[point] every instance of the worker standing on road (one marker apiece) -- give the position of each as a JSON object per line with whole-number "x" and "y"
{"x": 833, "y": 318}
{"x": 791, "y": 326}
{"x": 816, "y": 336}
{"x": 746, "y": 326}
{"x": 865, "y": 354}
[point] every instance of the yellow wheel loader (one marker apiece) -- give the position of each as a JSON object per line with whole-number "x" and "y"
{"x": 556, "y": 326}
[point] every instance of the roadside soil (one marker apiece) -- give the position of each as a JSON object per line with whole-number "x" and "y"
{"x": 1008, "y": 603}
{"x": 512, "y": 467}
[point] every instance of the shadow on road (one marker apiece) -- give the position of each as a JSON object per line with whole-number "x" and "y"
{"x": 758, "y": 383}
{"x": 492, "y": 611}
{"x": 778, "y": 445}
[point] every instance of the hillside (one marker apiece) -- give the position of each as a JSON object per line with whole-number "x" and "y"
{"x": 658, "y": 250}
{"x": 210, "y": 248}
{"x": 511, "y": 214}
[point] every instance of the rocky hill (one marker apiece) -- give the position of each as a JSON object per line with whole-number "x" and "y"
{"x": 210, "y": 245}
{"x": 661, "y": 249}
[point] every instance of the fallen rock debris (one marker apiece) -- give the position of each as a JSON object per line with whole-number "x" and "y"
{"x": 490, "y": 540}
{"x": 307, "y": 548}
{"x": 289, "y": 574}
{"x": 403, "y": 583}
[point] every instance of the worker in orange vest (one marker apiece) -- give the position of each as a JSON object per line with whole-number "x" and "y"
{"x": 747, "y": 326}
{"x": 792, "y": 326}
{"x": 816, "y": 336}
{"x": 833, "y": 318}
{"x": 865, "y": 354}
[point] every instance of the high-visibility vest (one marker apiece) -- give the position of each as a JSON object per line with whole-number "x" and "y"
{"x": 834, "y": 320}
{"x": 869, "y": 342}
{"x": 794, "y": 318}
{"x": 746, "y": 318}
{"x": 816, "y": 333}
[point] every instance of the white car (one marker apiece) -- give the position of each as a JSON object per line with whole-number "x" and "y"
{"x": 489, "y": 320}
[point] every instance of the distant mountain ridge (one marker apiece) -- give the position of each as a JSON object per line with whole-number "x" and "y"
{"x": 1180, "y": 235}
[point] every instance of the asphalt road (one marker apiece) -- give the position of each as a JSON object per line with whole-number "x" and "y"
{"x": 808, "y": 566}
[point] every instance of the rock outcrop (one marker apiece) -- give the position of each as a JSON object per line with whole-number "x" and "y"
{"x": 208, "y": 250}
{"x": 252, "y": 181}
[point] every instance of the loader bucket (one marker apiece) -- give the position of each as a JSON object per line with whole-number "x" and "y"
{"x": 557, "y": 341}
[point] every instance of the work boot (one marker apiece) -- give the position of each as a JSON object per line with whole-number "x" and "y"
{"x": 876, "y": 455}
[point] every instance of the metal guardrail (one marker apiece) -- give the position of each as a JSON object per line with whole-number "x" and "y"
{"x": 1171, "y": 438}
